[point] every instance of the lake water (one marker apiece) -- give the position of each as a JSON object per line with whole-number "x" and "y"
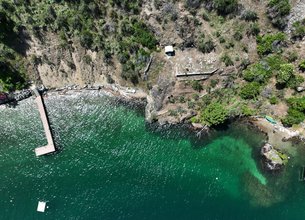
{"x": 112, "y": 165}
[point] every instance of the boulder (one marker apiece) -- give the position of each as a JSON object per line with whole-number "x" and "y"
{"x": 300, "y": 88}
{"x": 273, "y": 159}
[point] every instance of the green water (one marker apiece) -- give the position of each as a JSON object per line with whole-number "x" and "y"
{"x": 111, "y": 165}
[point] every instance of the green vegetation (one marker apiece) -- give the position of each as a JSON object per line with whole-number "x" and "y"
{"x": 226, "y": 59}
{"x": 225, "y": 7}
{"x": 250, "y": 90}
{"x": 285, "y": 74}
{"x": 298, "y": 31}
{"x": 206, "y": 46}
{"x": 295, "y": 112}
{"x": 196, "y": 85}
{"x": 249, "y": 15}
{"x": 257, "y": 72}
{"x": 12, "y": 71}
{"x": 265, "y": 44}
{"x": 214, "y": 114}
{"x": 302, "y": 65}
{"x": 277, "y": 12}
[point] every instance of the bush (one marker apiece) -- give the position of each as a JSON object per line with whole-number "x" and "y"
{"x": 285, "y": 73}
{"x": 258, "y": 73}
{"x": 238, "y": 35}
{"x": 250, "y": 90}
{"x": 295, "y": 81}
{"x": 86, "y": 39}
{"x": 226, "y": 59}
{"x": 293, "y": 117}
{"x": 225, "y": 7}
{"x": 249, "y": 15}
{"x": 247, "y": 111}
{"x": 206, "y": 46}
{"x": 253, "y": 29}
{"x": 298, "y": 31}
{"x": 273, "y": 100}
{"x": 277, "y": 12}
{"x": 297, "y": 103}
{"x": 292, "y": 56}
{"x": 302, "y": 65}
{"x": 196, "y": 85}
{"x": 214, "y": 114}
{"x": 265, "y": 43}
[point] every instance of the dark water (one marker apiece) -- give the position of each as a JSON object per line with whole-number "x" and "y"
{"x": 111, "y": 165}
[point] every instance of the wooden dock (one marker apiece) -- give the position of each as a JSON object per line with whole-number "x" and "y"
{"x": 50, "y": 147}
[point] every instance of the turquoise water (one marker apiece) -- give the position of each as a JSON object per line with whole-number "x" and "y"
{"x": 111, "y": 165}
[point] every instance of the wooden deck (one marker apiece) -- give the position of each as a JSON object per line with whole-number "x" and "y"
{"x": 50, "y": 147}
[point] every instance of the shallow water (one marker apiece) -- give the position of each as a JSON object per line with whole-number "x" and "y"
{"x": 111, "y": 165}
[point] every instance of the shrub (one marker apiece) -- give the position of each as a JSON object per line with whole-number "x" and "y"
{"x": 277, "y": 12}
{"x": 258, "y": 73}
{"x": 292, "y": 56}
{"x": 226, "y": 59}
{"x": 265, "y": 43}
{"x": 250, "y": 90}
{"x": 298, "y": 30}
{"x": 293, "y": 117}
{"x": 273, "y": 100}
{"x": 238, "y": 35}
{"x": 214, "y": 114}
{"x": 206, "y": 46}
{"x": 205, "y": 16}
{"x": 285, "y": 73}
{"x": 225, "y": 7}
{"x": 214, "y": 82}
{"x": 196, "y": 85}
{"x": 86, "y": 39}
{"x": 249, "y": 15}
{"x": 297, "y": 103}
{"x": 247, "y": 111}
{"x": 302, "y": 65}
{"x": 253, "y": 29}
{"x": 295, "y": 81}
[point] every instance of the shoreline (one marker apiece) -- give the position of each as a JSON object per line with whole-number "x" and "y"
{"x": 277, "y": 134}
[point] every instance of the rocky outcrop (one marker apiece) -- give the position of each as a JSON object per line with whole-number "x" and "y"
{"x": 297, "y": 13}
{"x": 273, "y": 159}
{"x": 56, "y": 65}
{"x": 156, "y": 97}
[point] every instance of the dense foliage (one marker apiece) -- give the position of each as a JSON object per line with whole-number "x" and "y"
{"x": 214, "y": 114}
{"x": 250, "y": 90}
{"x": 295, "y": 112}
{"x": 269, "y": 43}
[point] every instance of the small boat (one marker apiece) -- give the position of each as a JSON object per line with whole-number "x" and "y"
{"x": 270, "y": 119}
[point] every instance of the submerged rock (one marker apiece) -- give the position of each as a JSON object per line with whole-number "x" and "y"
{"x": 274, "y": 160}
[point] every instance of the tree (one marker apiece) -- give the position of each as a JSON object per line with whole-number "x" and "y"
{"x": 285, "y": 73}
{"x": 214, "y": 114}
{"x": 250, "y": 90}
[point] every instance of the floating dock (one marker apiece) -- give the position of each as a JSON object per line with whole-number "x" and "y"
{"x": 50, "y": 147}
{"x": 41, "y": 206}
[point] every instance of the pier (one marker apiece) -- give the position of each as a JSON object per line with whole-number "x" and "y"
{"x": 50, "y": 147}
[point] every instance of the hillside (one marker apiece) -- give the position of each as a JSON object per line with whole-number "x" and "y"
{"x": 252, "y": 51}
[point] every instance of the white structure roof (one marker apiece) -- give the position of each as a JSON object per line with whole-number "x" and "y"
{"x": 41, "y": 206}
{"x": 169, "y": 49}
